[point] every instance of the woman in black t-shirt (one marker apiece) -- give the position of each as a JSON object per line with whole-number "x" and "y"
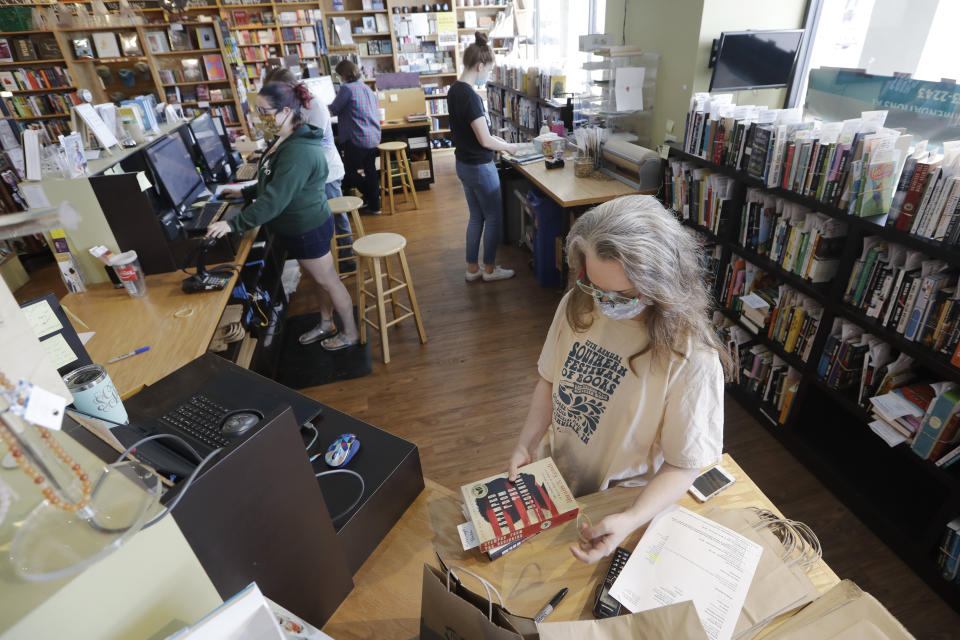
{"x": 475, "y": 168}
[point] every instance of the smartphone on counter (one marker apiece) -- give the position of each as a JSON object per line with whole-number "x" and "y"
{"x": 710, "y": 483}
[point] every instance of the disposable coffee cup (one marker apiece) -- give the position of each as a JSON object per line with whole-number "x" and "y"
{"x": 93, "y": 393}
{"x": 131, "y": 275}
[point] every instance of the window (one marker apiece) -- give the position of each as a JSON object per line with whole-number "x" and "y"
{"x": 557, "y": 29}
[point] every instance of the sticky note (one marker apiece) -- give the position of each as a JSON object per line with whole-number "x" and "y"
{"x": 394, "y": 98}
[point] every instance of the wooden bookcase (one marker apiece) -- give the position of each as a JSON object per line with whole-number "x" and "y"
{"x": 903, "y": 498}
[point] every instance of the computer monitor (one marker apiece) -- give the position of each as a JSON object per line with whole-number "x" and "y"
{"x": 755, "y": 59}
{"x": 175, "y": 172}
{"x": 208, "y": 140}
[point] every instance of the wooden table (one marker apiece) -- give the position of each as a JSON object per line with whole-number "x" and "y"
{"x": 385, "y": 601}
{"x": 569, "y": 191}
{"x": 123, "y": 323}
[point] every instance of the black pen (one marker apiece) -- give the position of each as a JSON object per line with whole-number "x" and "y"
{"x": 554, "y": 601}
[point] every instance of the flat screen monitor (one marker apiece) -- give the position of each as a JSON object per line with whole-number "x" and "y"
{"x": 208, "y": 141}
{"x": 755, "y": 59}
{"x": 174, "y": 169}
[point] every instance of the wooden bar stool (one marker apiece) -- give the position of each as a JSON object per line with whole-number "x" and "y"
{"x": 390, "y": 152}
{"x": 370, "y": 250}
{"x": 351, "y": 205}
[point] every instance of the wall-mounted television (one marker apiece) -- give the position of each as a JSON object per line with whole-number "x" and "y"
{"x": 755, "y": 59}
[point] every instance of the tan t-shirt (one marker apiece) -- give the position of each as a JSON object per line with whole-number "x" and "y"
{"x": 611, "y": 426}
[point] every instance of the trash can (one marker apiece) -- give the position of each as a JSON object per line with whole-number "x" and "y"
{"x": 547, "y": 238}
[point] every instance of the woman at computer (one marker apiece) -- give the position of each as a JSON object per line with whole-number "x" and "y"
{"x": 290, "y": 199}
{"x": 318, "y": 115}
{"x": 631, "y": 373}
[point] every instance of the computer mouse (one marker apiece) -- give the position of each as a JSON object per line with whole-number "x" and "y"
{"x": 342, "y": 450}
{"x": 239, "y": 422}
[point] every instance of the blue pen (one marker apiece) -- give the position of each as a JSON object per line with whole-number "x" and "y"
{"x": 127, "y": 355}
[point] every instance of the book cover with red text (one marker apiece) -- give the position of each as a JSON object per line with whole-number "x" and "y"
{"x": 502, "y": 511}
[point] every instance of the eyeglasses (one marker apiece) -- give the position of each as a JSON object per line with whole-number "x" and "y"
{"x": 599, "y": 294}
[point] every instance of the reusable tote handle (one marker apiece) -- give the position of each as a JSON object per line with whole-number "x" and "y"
{"x": 486, "y": 586}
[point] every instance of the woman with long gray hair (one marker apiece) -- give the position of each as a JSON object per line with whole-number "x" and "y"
{"x": 631, "y": 373}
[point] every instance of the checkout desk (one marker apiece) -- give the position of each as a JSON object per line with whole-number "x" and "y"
{"x": 385, "y": 601}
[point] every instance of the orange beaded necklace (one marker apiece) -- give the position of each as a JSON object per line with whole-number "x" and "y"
{"x": 13, "y": 443}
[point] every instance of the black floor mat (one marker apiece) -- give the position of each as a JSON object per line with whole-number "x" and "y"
{"x": 302, "y": 366}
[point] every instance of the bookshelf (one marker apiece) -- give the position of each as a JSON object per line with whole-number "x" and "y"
{"x": 904, "y": 499}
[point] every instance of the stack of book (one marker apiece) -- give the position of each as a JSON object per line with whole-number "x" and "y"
{"x": 927, "y": 198}
{"x": 857, "y": 165}
{"x": 927, "y": 415}
{"x": 949, "y": 560}
{"x": 802, "y": 242}
{"x": 502, "y": 515}
{"x": 907, "y": 294}
{"x": 699, "y": 195}
{"x": 758, "y": 371}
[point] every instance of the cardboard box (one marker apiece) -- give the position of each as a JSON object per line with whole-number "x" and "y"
{"x": 420, "y": 170}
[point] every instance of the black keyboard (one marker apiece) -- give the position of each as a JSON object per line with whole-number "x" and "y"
{"x": 210, "y": 213}
{"x": 200, "y": 418}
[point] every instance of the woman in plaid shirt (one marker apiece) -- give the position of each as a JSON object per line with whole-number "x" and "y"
{"x": 358, "y": 132}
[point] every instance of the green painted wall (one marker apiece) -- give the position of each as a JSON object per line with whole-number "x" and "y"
{"x": 682, "y": 32}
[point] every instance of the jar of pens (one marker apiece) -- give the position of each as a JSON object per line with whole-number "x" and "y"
{"x": 589, "y": 141}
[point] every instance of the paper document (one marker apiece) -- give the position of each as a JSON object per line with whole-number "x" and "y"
{"x": 35, "y": 196}
{"x": 890, "y": 435}
{"x": 468, "y": 536}
{"x": 629, "y": 88}
{"x": 42, "y": 319}
{"x": 58, "y": 350}
{"x": 683, "y": 556}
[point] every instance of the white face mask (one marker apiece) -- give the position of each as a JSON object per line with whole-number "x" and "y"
{"x": 622, "y": 310}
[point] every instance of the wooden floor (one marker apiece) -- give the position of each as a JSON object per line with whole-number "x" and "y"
{"x": 463, "y": 396}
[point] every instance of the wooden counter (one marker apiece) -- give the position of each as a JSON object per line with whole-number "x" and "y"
{"x": 123, "y": 323}
{"x": 567, "y": 190}
{"x": 385, "y": 601}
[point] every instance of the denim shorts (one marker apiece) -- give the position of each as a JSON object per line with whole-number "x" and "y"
{"x": 312, "y": 244}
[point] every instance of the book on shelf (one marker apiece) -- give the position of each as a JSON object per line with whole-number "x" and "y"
{"x": 82, "y": 47}
{"x": 180, "y": 38}
{"x": 502, "y": 512}
{"x": 949, "y": 558}
{"x": 203, "y": 93}
{"x": 192, "y": 71}
{"x": 105, "y": 44}
{"x": 23, "y": 49}
{"x": 939, "y": 426}
{"x": 157, "y": 41}
{"x": 173, "y": 95}
{"x": 130, "y": 44}
{"x": 206, "y": 37}
{"x": 6, "y": 52}
{"x": 214, "y": 66}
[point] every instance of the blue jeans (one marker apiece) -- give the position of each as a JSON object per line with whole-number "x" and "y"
{"x": 481, "y": 186}
{"x": 341, "y": 221}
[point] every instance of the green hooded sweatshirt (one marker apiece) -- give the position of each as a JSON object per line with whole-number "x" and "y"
{"x": 290, "y": 195}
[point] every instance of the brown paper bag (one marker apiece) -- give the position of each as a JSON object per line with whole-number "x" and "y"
{"x": 678, "y": 620}
{"x": 459, "y": 613}
{"x": 845, "y": 612}
{"x": 776, "y": 588}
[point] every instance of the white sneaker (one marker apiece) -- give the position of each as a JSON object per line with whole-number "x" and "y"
{"x": 499, "y": 273}
{"x": 473, "y": 277}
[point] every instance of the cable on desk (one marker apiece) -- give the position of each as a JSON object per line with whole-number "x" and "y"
{"x": 363, "y": 487}
{"x": 316, "y": 435}
{"x": 187, "y": 483}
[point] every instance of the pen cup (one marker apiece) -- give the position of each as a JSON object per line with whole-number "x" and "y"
{"x": 128, "y": 268}
{"x": 93, "y": 393}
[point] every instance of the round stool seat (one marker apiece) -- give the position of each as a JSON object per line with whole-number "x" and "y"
{"x": 379, "y": 245}
{"x": 392, "y": 146}
{"x": 344, "y": 204}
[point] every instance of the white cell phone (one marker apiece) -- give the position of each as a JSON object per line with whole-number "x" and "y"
{"x": 710, "y": 483}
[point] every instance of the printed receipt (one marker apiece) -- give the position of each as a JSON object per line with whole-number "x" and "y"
{"x": 683, "y": 556}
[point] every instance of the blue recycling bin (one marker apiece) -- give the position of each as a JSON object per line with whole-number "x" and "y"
{"x": 547, "y": 238}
